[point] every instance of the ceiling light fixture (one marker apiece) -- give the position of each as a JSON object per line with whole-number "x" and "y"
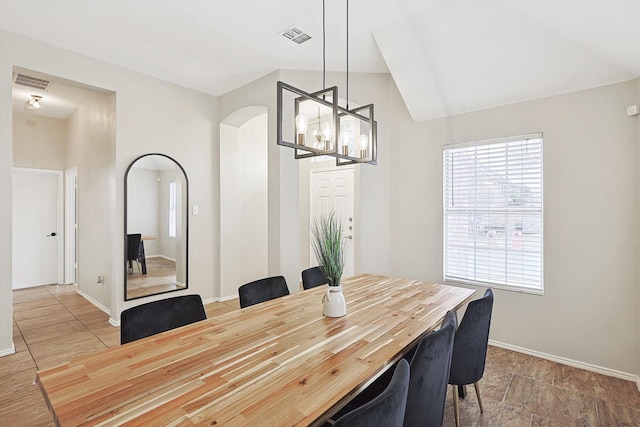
{"x": 34, "y": 102}
{"x": 335, "y": 129}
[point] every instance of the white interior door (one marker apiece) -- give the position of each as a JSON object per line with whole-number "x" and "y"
{"x": 37, "y": 222}
{"x": 332, "y": 190}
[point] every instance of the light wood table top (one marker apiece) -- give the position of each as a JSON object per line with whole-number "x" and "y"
{"x": 279, "y": 363}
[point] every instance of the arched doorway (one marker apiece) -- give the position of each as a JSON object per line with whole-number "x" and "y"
{"x": 243, "y": 198}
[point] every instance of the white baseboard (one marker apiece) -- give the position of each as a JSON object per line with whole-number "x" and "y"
{"x": 8, "y": 351}
{"x": 94, "y": 302}
{"x": 220, "y": 299}
{"x": 160, "y": 256}
{"x": 101, "y": 307}
{"x": 570, "y": 362}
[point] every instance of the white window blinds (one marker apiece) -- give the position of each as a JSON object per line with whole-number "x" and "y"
{"x": 493, "y": 216}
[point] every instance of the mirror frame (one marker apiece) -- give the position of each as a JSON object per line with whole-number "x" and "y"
{"x": 186, "y": 178}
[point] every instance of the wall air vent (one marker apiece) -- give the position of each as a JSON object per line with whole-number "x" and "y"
{"x": 32, "y": 82}
{"x": 295, "y": 34}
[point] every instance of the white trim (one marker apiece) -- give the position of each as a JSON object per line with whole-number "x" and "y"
{"x": 499, "y": 140}
{"x": 8, "y": 351}
{"x": 94, "y": 302}
{"x": 570, "y": 362}
{"x": 113, "y": 322}
{"x": 160, "y": 256}
{"x": 69, "y": 232}
{"x": 220, "y": 299}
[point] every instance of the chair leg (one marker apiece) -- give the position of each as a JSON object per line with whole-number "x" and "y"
{"x": 456, "y": 405}
{"x": 478, "y": 394}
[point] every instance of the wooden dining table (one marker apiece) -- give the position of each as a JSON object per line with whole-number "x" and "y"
{"x": 279, "y": 363}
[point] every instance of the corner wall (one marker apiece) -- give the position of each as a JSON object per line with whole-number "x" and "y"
{"x": 91, "y": 149}
{"x": 589, "y": 310}
{"x": 150, "y": 116}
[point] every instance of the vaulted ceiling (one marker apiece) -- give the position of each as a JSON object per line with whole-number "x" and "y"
{"x": 446, "y": 56}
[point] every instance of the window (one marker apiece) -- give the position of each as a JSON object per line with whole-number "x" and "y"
{"x": 493, "y": 217}
{"x": 172, "y": 209}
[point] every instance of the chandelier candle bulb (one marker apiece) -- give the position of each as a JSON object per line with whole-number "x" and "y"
{"x": 301, "y": 128}
{"x": 364, "y": 142}
{"x": 327, "y": 133}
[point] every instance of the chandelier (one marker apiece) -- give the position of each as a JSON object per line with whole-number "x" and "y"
{"x": 313, "y": 124}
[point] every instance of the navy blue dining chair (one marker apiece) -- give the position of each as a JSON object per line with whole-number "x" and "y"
{"x": 470, "y": 349}
{"x": 312, "y": 277}
{"x": 387, "y": 409}
{"x": 430, "y": 367}
{"x": 159, "y": 316}
{"x": 262, "y": 290}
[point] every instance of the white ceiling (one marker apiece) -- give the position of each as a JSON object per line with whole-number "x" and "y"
{"x": 446, "y": 56}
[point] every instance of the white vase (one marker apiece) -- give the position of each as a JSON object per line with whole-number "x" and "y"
{"x": 333, "y": 304}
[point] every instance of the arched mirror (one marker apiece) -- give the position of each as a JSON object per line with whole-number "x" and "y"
{"x": 156, "y": 226}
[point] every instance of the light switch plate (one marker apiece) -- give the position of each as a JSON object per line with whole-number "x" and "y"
{"x": 195, "y": 210}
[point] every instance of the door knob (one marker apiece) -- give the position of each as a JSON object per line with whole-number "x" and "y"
{"x": 52, "y": 234}
{"x": 348, "y": 237}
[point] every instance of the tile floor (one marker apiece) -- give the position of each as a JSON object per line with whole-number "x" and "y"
{"x": 53, "y": 324}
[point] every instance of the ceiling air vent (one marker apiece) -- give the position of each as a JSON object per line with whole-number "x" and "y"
{"x": 295, "y": 34}
{"x": 32, "y": 82}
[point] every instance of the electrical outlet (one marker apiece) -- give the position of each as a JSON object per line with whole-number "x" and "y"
{"x": 100, "y": 280}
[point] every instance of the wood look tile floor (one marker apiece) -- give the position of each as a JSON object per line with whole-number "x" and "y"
{"x": 53, "y": 324}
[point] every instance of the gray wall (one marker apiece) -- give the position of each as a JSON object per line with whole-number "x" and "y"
{"x": 91, "y": 149}
{"x": 39, "y": 142}
{"x": 589, "y": 311}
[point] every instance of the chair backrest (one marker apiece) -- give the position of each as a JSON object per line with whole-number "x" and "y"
{"x": 387, "y": 409}
{"x": 159, "y": 316}
{"x": 430, "y": 376}
{"x": 312, "y": 277}
{"x": 470, "y": 343}
{"x": 262, "y": 290}
{"x": 133, "y": 246}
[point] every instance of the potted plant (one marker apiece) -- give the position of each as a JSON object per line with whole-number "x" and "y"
{"x": 329, "y": 249}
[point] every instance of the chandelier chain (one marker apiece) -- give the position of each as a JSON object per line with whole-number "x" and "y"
{"x": 347, "y": 54}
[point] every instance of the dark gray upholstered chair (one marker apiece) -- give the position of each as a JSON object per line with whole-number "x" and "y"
{"x": 134, "y": 243}
{"x": 430, "y": 361}
{"x": 386, "y": 409}
{"x": 312, "y": 277}
{"x": 470, "y": 348}
{"x": 430, "y": 376}
{"x": 262, "y": 290}
{"x": 158, "y": 316}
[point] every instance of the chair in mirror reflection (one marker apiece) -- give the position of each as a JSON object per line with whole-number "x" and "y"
{"x": 135, "y": 252}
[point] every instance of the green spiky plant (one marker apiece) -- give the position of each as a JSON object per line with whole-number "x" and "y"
{"x": 329, "y": 247}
